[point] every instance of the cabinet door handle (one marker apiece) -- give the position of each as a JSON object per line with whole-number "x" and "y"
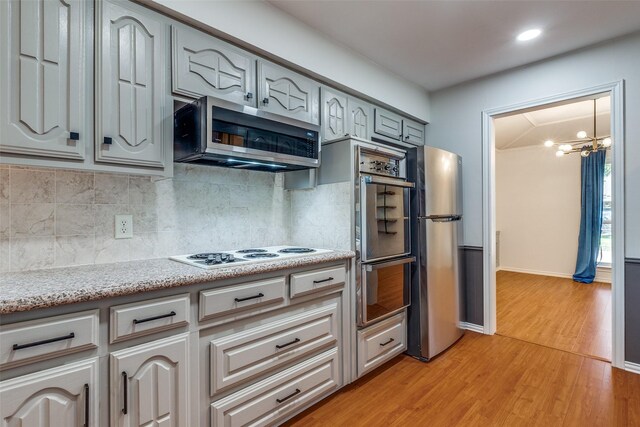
{"x": 382, "y": 344}
{"x": 279, "y": 346}
{"x": 149, "y": 319}
{"x": 289, "y": 396}
{"x": 108, "y": 140}
{"x": 406, "y": 137}
{"x": 86, "y": 405}
{"x": 260, "y": 295}
{"x": 323, "y": 280}
{"x": 125, "y": 393}
{"x": 265, "y": 101}
{"x": 249, "y": 95}
{"x": 74, "y": 136}
{"x": 48, "y": 341}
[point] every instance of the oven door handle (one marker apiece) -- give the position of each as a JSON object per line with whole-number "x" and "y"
{"x": 371, "y": 267}
{"x": 394, "y": 182}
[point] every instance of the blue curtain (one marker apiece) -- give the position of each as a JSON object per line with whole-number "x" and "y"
{"x": 592, "y": 170}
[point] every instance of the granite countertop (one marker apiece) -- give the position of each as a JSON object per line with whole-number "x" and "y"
{"x": 51, "y": 287}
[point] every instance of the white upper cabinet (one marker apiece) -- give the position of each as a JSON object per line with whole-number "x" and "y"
{"x": 388, "y": 124}
{"x": 132, "y": 90}
{"x": 334, "y": 114}
{"x": 42, "y": 63}
{"x": 282, "y": 91}
{"x": 412, "y": 132}
{"x": 203, "y": 65}
{"x": 359, "y": 118}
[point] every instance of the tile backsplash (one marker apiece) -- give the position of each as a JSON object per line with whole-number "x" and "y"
{"x": 54, "y": 218}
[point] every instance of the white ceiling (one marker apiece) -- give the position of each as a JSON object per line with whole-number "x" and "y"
{"x": 441, "y": 43}
{"x": 559, "y": 123}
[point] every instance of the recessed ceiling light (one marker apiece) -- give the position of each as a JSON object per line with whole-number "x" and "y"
{"x": 529, "y": 35}
{"x": 548, "y": 143}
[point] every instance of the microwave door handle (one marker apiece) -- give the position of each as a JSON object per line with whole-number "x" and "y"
{"x": 372, "y": 267}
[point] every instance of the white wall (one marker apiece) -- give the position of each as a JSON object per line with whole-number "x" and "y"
{"x": 538, "y": 210}
{"x": 268, "y": 28}
{"x": 456, "y": 118}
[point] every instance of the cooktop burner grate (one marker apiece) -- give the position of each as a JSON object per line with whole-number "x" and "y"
{"x": 262, "y": 255}
{"x": 206, "y": 255}
{"x": 296, "y": 250}
{"x": 250, "y": 251}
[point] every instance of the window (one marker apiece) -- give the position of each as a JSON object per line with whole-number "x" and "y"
{"x": 605, "y": 233}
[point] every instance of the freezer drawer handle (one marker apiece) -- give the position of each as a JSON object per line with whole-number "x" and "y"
{"x": 279, "y": 346}
{"x": 149, "y": 319}
{"x": 48, "y": 341}
{"x": 260, "y": 295}
{"x": 289, "y": 396}
{"x": 323, "y": 280}
{"x": 371, "y": 267}
{"x": 446, "y": 218}
{"x": 382, "y": 344}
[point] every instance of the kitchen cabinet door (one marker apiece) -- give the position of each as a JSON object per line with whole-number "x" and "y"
{"x": 44, "y": 71}
{"x": 387, "y": 124}
{"x": 281, "y": 91}
{"x": 131, "y": 95}
{"x": 203, "y": 65}
{"x": 65, "y": 396}
{"x": 334, "y": 114}
{"x": 412, "y": 132}
{"x": 359, "y": 118}
{"x": 149, "y": 384}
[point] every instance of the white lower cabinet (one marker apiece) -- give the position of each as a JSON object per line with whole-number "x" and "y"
{"x": 65, "y": 396}
{"x": 381, "y": 342}
{"x": 149, "y": 384}
{"x": 275, "y": 398}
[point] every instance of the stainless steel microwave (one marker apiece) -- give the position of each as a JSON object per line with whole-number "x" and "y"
{"x": 221, "y": 133}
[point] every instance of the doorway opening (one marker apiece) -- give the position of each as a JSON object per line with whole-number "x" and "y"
{"x": 540, "y": 160}
{"x": 611, "y": 235}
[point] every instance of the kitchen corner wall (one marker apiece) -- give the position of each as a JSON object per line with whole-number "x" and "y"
{"x": 55, "y": 218}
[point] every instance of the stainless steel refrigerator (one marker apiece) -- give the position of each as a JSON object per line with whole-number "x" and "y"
{"x": 436, "y": 212}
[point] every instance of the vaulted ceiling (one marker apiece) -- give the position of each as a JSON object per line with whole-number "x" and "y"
{"x": 440, "y": 43}
{"x": 558, "y": 123}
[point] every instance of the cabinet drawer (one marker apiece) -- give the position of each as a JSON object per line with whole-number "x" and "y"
{"x": 381, "y": 342}
{"x": 316, "y": 280}
{"x": 147, "y": 317}
{"x": 41, "y": 339}
{"x": 273, "y": 399}
{"x": 247, "y": 299}
{"x": 244, "y": 355}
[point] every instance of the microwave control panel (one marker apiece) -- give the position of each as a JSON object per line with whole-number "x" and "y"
{"x": 381, "y": 164}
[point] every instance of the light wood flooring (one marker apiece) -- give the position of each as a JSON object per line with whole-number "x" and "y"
{"x": 486, "y": 381}
{"x": 555, "y": 312}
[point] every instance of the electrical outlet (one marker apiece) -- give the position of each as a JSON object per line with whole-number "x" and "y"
{"x": 124, "y": 227}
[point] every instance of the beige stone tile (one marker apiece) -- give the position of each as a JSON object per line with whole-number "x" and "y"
{"x": 109, "y": 249}
{"x": 105, "y": 218}
{"x": 74, "y": 187}
{"x": 5, "y": 220}
{"x": 5, "y": 255}
{"x": 32, "y": 253}
{"x": 146, "y": 246}
{"x": 74, "y": 220}
{"x": 142, "y": 190}
{"x": 5, "y": 185}
{"x": 74, "y": 250}
{"x": 32, "y": 219}
{"x": 111, "y": 189}
{"x": 32, "y": 186}
{"x": 145, "y": 218}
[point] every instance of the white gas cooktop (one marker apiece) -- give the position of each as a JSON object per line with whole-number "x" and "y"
{"x": 218, "y": 259}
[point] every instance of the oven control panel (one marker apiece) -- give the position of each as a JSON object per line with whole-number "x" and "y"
{"x": 381, "y": 164}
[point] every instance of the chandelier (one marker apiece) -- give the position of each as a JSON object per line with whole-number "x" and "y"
{"x": 585, "y": 144}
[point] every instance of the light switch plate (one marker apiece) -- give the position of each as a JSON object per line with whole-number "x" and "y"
{"x": 124, "y": 227}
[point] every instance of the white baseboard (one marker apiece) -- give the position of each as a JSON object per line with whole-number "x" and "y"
{"x": 472, "y": 327}
{"x": 632, "y": 367}
{"x": 602, "y": 275}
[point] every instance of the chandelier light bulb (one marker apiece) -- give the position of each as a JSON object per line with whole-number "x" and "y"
{"x": 606, "y": 142}
{"x": 584, "y": 153}
{"x": 566, "y": 148}
{"x": 559, "y": 153}
{"x": 549, "y": 143}
{"x": 581, "y": 134}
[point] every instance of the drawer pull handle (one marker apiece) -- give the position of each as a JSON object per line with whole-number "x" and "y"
{"x": 50, "y": 340}
{"x": 260, "y": 295}
{"x": 125, "y": 393}
{"x": 149, "y": 319}
{"x": 382, "y": 344}
{"x": 86, "y": 405}
{"x": 288, "y": 397}
{"x": 323, "y": 280}
{"x": 278, "y": 346}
